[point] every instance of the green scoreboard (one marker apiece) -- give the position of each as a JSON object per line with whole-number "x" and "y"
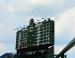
{"x": 35, "y": 35}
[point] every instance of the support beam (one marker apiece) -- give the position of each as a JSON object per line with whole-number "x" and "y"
{"x": 68, "y": 47}
{"x": 62, "y": 56}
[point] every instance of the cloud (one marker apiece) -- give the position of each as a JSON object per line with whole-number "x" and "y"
{"x": 65, "y": 22}
{"x": 23, "y": 6}
{"x": 16, "y": 13}
{"x": 65, "y": 31}
{"x": 44, "y": 2}
{"x": 2, "y": 46}
{"x": 34, "y": 4}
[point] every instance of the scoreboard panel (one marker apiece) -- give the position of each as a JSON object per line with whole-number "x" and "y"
{"x": 35, "y": 35}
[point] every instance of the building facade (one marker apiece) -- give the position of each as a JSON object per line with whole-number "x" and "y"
{"x": 34, "y": 34}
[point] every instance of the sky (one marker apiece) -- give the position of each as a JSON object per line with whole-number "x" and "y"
{"x": 17, "y": 13}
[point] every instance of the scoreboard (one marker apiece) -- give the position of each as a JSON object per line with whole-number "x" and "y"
{"x": 35, "y": 35}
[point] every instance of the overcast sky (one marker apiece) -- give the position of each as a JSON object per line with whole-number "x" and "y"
{"x": 17, "y": 13}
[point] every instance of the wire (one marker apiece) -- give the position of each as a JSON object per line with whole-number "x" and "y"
{"x": 38, "y": 8}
